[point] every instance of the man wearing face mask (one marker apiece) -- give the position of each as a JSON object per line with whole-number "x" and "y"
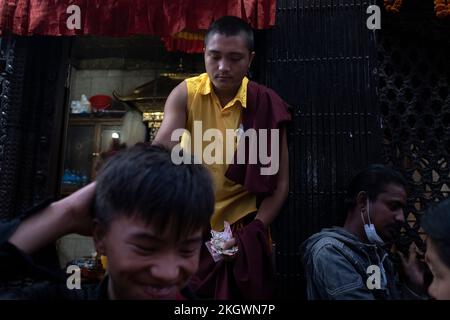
{"x": 352, "y": 262}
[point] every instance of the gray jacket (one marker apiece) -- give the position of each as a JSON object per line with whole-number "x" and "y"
{"x": 336, "y": 268}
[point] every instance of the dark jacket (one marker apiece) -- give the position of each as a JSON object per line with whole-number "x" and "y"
{"x": 336, "y": 264}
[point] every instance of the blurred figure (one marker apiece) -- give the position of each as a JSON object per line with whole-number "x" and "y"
{"x": 436, "y": 224}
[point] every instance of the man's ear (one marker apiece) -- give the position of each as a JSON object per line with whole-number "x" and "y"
{"x": 252, "y": 55}
{"x": 99, "y": 234}
{"x": 361, "y": 200}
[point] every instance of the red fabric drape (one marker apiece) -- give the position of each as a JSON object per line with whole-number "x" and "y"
{"x": 162, "y": 18}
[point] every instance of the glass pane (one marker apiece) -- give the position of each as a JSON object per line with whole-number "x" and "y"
{"x": 78, "y": 157}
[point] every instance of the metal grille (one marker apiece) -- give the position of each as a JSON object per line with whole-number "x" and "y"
{"x": 414, "y": 84}
{"x": 11, "y": 80}
{"x": 320, "y": 58}
{"x": 31, "y": 120}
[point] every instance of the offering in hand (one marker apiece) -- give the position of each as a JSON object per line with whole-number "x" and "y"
{"x": 218, "y": 243}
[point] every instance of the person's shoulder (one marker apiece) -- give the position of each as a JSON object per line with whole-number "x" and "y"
{"x": 324, "y": 244}
{"x": 256, "y": 89}
{"x": 201, "y": 78}
{"x": 260, "y": 87}
{"x": 194, "y": 84}
{"x": 324, "y": 238}
{"x": 327, "y": 244}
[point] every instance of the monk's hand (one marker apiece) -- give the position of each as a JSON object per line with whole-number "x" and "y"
{"x": 228, "y": 245}
{"x": 413, "y": 269}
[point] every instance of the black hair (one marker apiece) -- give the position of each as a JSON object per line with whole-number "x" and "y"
{"x": 373, "y": 180}
{"x": 142, "y": 181}
{"x": 231, "y": 26}
{"x": 436, "y": 223}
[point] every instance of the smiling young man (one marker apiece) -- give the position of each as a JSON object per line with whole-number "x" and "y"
{"x": 337, "y": 260}
{"x": 150, "y": 215}
{"x": 222, "y": 100}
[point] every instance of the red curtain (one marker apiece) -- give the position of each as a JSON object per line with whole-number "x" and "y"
{"x": 163, "y": 18}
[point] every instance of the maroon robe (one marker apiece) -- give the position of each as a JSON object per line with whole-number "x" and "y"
{"x": 265, "y": 110}
{"x": 249, "y": 275}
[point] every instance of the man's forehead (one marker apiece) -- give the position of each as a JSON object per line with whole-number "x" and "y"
{"x": 163, "y": 237}
{"x": 223, "y": 43}
{"x": 136, "y": 228}
{"x": 394, "y": 192}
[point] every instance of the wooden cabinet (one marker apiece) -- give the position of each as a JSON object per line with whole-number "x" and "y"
{"x": 87, "y": 137}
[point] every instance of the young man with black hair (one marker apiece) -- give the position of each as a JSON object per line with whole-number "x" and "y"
{"x": 150, "y": 215}
{"x": 436, "y": 223}
{"x": 220, "y": 100}
{"x": 339, "y": 261}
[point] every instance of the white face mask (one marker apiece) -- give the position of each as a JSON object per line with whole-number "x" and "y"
{"x": 369, "y": 228}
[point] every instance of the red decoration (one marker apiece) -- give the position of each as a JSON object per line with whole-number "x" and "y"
{"x": 163, "y": 18}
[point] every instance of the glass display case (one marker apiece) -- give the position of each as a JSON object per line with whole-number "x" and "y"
{"x": 88, "y": 137}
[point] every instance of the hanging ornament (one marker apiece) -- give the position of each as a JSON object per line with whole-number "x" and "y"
{"x": 393, "y": 6}
{"x": 442, "y": 8}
